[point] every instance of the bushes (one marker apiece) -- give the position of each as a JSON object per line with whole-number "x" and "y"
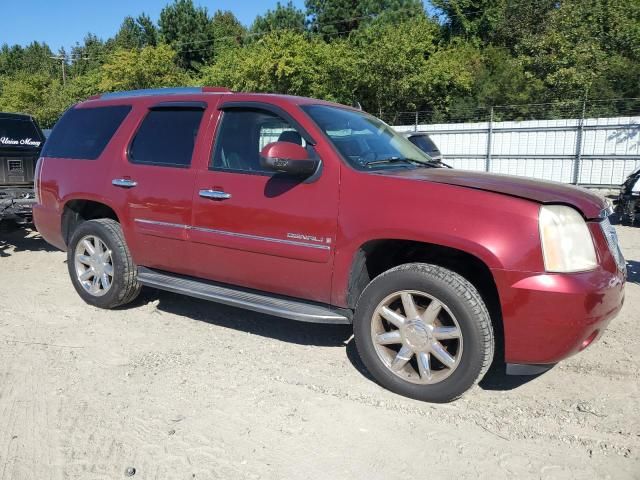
{"x": 401, "y": 60}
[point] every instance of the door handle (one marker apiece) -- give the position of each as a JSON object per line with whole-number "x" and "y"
{"x": 124, "y": 182}
{"x": 215, "y": 194}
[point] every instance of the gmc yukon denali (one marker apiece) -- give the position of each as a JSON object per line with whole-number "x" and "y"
{"x": 318, "y": 212}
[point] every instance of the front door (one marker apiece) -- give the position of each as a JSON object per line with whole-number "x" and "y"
{"x": 258, "y": 229}
{"x": 157, "y": 178}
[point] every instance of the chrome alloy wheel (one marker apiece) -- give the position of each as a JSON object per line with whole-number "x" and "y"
{"x": 94, "y": 265}
{"x": 417, "y": 337}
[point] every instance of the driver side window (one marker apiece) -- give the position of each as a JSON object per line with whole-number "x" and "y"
{"x": 242, "y": 135}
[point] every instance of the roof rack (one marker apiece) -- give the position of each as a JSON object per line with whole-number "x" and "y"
{"x": 148, "y": 92}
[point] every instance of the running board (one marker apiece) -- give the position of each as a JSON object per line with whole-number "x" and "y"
{"x": 250, "y": 300}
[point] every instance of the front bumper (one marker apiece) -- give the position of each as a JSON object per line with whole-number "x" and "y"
{"x": 549, "y": 317}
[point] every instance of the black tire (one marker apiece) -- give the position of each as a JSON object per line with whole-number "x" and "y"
{"x": 463, "y": 301}
{"x": 124, "y": 287}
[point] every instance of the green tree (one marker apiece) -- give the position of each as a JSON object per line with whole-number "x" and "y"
{"x": 135, "y": 33}
{"x": 402, "y": 68}
{"x": 473, "y": 54}
{"x": 228, "y": 32}
{"x": 148, "y": 31}
{"x": 501, "y": 22}
{"x": 129, "y": 36}
{"x": 288, "y": 62}
{"x": 188, "y": 31}
{"x": 587, "y": 49}
{"x": 34, "y": 58}
{"x": 88, "y": 56}
{"x": 146, "y": 68}
{"x": 332, "y": 18}
{"x": 10, "y": 59}
{"x": 36, "y": 94}
{"x": 283, "y": 17}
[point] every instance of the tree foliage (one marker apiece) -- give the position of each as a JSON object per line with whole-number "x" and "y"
{"x": 287, "y": 61}
{"x": 228, "y": 32}
{"x": 388, "y": 55}
{"x": 340, "y": 17}
{"x": 33, "y": 93}
{"x": 136, "y": 33}
{"x": 283, "y": 17}
{"x": 187, "y": 29}
{"x": 145, "y": 68}
{"x": 34, "y": 58}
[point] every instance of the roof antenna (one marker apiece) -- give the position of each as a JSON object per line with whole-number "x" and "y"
{"x": 356, "y": 104}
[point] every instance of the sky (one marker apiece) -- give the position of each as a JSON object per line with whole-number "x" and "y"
{"x": 62, "y": 23}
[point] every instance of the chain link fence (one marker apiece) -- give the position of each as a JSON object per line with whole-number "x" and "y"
{"x": 585, "y": 143}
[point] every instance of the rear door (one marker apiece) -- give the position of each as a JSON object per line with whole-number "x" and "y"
{"x": 258, "y": 229}
{"x": 156, "y": 173}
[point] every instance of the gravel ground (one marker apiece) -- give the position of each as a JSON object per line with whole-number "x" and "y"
{"x": 178, "y": 388}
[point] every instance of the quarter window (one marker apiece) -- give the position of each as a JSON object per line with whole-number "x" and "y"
{"x": 166, "y": 137}
{"x": 243, "y": 134}
{"x": 83, "y": 133}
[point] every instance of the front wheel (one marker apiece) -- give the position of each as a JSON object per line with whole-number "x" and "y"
{"x": 424, "y": 332}
{"x": 100, "y": 265}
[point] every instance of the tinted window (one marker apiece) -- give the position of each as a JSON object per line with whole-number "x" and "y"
{"x": 166, "y": 137}
{"x": 84, "y": 132}
{"x": 365, "y": 141}
{"x": 244, "y": 133}
{"x": 19, "y": 132}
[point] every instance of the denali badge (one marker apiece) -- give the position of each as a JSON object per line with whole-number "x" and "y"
{"x": 309, "y": 238}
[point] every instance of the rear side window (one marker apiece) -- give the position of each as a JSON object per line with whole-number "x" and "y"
{"x": 83, "y": 133}
{"x": 166, "y": 137}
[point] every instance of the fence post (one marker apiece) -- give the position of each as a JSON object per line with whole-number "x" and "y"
{"x": 578, "y": 157}
{"x": 487, "y": 161}
{"x": 415, "y": 126}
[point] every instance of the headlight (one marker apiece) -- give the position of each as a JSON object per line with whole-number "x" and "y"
{"x": 567, "y": 245}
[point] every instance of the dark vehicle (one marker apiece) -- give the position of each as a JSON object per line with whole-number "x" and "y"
{"x": 628, "y": 204}
{"x": 20, "y": 144}
{"x": 424, "y": 143}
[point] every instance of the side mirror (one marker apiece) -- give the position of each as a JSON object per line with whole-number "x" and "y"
{"x": 288, "y": 158}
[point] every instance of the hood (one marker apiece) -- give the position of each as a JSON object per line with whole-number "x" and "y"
{"x": 541, "y": 191}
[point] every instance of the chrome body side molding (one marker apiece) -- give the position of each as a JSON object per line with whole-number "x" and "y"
{"x": 235, "y": 234}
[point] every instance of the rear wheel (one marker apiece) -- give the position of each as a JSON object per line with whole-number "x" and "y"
{"x": 424, "y": 332}
{"x": 100, "y": 265}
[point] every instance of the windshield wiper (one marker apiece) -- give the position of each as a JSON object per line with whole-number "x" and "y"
{"x": 410, "y": 161}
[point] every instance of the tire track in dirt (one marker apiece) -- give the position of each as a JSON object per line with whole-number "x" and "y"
{"x": 176, "y": 387}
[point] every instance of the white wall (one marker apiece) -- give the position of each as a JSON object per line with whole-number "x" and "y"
{"x": 546, "y": 149}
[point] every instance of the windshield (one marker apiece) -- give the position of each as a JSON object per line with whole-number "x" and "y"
{"x": 17, "y": 132}
{"x": 364, "y": 141}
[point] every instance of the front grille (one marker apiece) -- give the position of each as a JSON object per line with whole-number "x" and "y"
{"x": 614, "y": 245}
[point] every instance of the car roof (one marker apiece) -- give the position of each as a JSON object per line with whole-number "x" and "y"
{"x": 177, "y": 94}
{"x": 15, "y": 116}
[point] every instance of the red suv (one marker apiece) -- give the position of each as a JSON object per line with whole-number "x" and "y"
{"x": 318, "y": 212}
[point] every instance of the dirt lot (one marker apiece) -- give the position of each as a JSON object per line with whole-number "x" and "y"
{"x": 180, "y": 389}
